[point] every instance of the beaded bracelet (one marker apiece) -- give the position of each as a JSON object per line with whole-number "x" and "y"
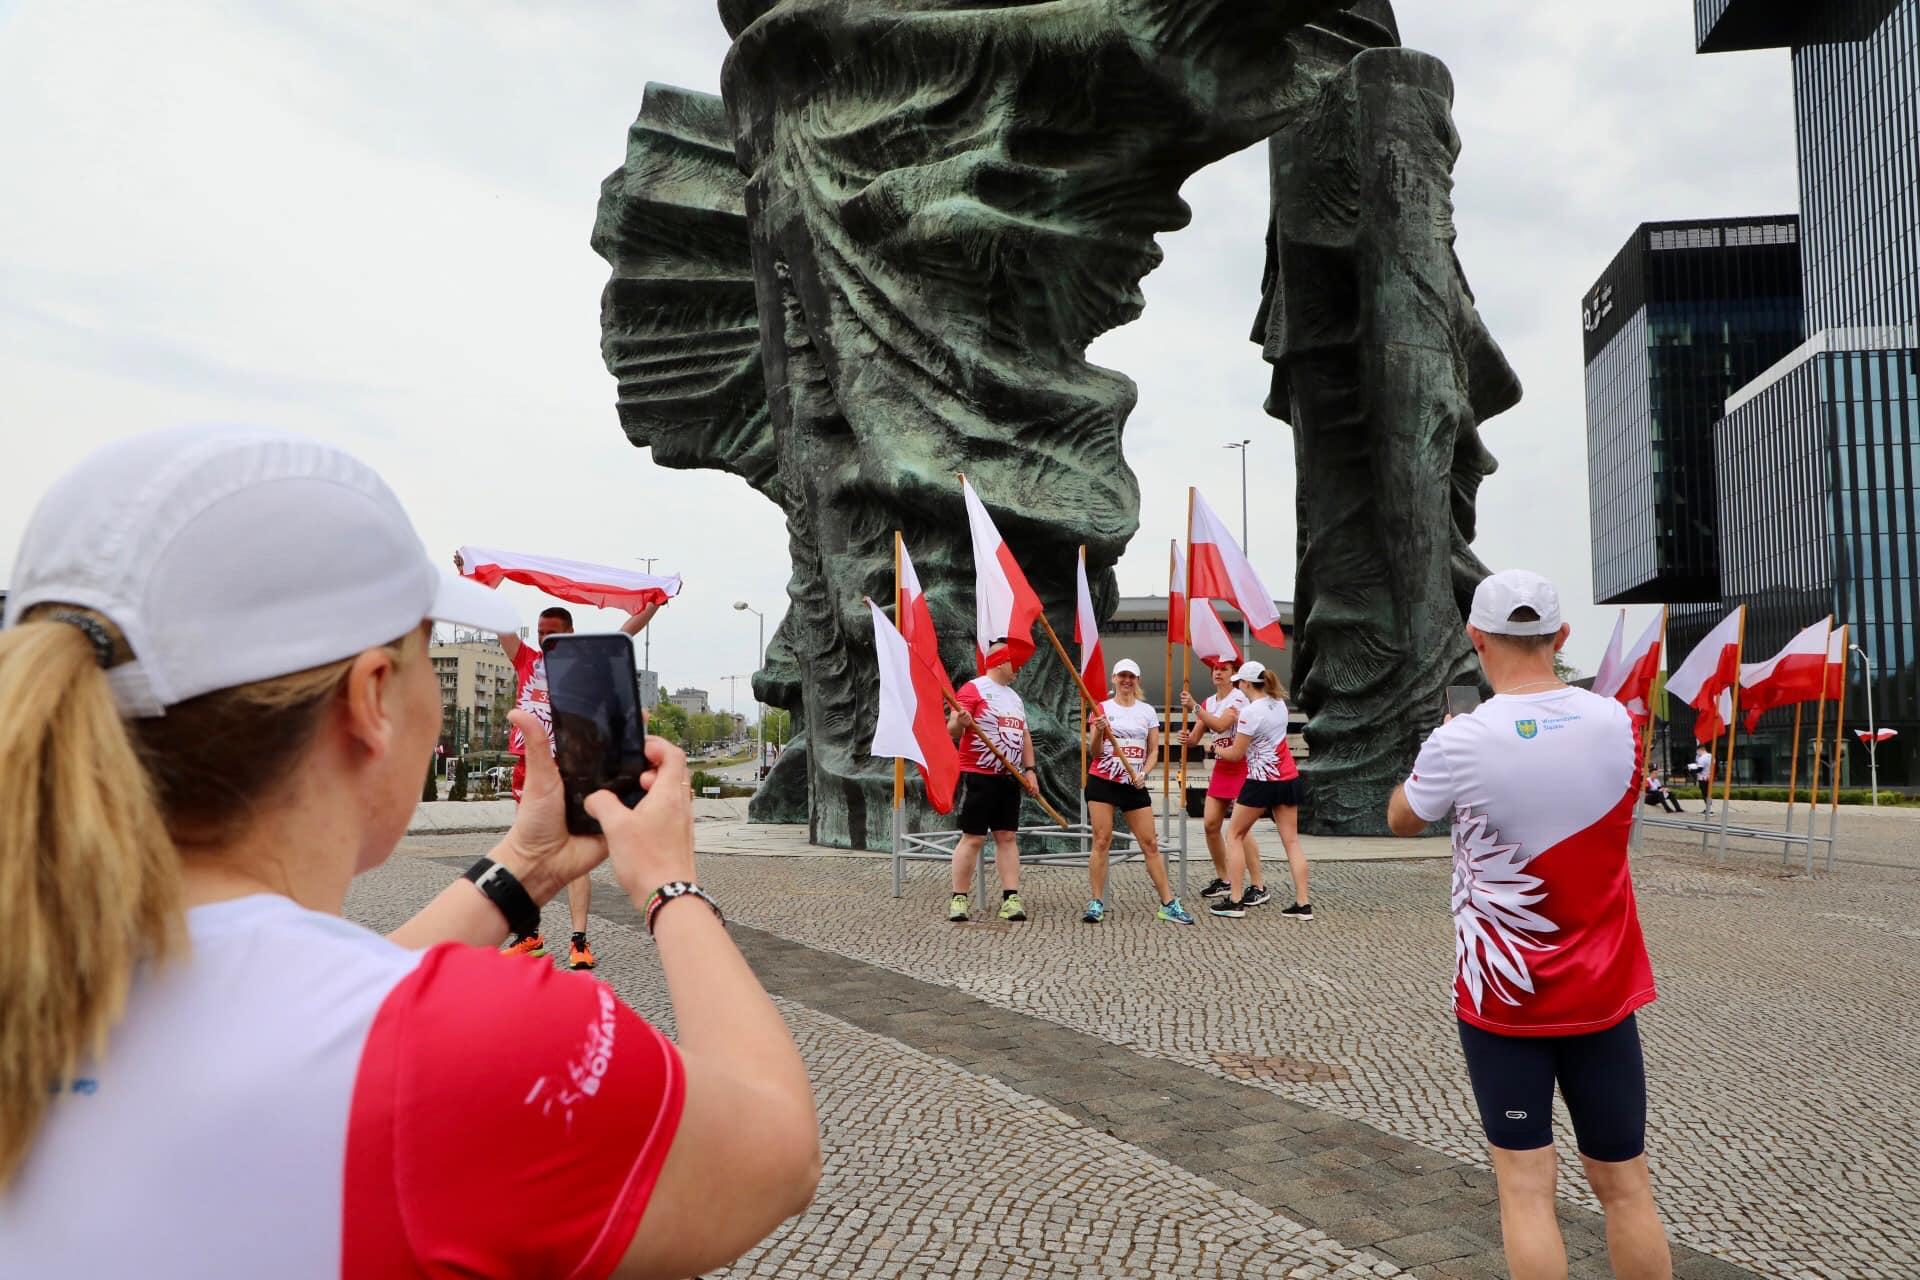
{"x": 679, "y": 889}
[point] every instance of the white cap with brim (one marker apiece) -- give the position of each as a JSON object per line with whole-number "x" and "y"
{"x": 1499, "y": 596}
{"x": 1127, "y": 667}
{"x": 1250, "y": 671}
{"x": 228, "y": 555}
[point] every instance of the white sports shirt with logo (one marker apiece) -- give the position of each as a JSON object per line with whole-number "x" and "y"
{"x": 1130, "y": 727}
{"x": 299, "y": 1098}
{"x": 1541, "y": 789}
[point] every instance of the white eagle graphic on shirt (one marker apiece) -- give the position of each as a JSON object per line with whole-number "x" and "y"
{"x": 1494, "y": 924}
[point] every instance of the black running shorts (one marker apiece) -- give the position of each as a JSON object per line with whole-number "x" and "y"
{"x": 1123, "y": 796}
{"x": 989, "y": 802}
{"x": 1269, "y": 795}
{"x": 1601, "y": 1075}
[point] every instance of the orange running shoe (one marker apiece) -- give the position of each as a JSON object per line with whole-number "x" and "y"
{"x": 579, "y": 955}
{"x": 533, "y": 945}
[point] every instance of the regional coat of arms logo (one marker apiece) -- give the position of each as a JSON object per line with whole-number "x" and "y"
{"x": 1527, "y": 728}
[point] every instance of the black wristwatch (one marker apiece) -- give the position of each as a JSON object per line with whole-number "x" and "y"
{"x": 504, "y": 890}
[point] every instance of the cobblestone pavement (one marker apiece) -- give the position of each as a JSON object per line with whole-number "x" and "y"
{"x": 1783, "y": 1127}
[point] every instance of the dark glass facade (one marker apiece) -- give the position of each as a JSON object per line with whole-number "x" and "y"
{"x": 1686, "y": 313}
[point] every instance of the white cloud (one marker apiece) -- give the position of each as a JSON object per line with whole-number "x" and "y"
{"x": 369, "y": 222}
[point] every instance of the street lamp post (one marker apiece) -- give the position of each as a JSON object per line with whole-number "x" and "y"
{"x": 1873, "y": 734}
{"x": 1246, "y": 633}
{"x": 646, "y": 638}
{"x": 759, "y": 711}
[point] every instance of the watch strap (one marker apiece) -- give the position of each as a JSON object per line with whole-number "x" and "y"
{"x": 504, "y": 890}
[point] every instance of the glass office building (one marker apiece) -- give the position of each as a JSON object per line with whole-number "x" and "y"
{"x": 1684, "y": 315}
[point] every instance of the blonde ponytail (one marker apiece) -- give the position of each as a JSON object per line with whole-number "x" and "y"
{"x": 89, "y": 878}
{"x": 1271, "y": 683}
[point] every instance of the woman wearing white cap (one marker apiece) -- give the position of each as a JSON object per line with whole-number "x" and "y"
{"x": 1217, "y": 718}
{"x": 1272, "y": 788}
{"x": 1130, "y": 724}
{"x": 219, "y": 707}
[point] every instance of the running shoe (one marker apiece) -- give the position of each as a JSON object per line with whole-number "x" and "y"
{"x": 1228, "y": 908}
{"x": 532, "y": 946}
{"x": 1299, "y": 911}
{"x": 957, "y": 909}
{"x": 1255, "y": 896}
{"x": 1096, "y": 911}
{"x": 1174, "y": 913}
{"x": 579, "y": 955}
{"x": 1010, "y": 908}
{"x": 1218, "y": 889}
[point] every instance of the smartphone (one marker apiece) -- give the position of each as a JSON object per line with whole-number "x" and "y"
{"x": 599, "y": 731}
{"x": 1462, "y": 699}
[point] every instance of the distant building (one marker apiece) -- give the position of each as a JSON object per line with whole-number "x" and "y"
{"x": 691, "y": 701}
{"x": 476, "y": 691}
{"x": 649, "y": 689}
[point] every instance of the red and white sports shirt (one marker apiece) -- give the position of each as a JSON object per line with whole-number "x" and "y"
{"x": 1130, "y": 727}
{"x": 530, "y": 694}
{"x": 1001, "y": 715}
{"x": 1268, "y": 758}
{"x": 1541, "y": 789}
{"x": 1236, "y": 702}
{"x": 299, "y": 1097}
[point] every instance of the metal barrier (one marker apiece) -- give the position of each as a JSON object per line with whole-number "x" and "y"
{"x": 1787, "y": 839}
{"x": 938, "y": 846}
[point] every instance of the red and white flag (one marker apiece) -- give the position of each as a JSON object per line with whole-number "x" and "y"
{"x": 1836, "y": 663}
{"x": 1212, "y": 642}
{"x": 574, "y": 581}
{"x": 916, "y": 625}
{"x": 1712, "y": 721}
{"x": 1795, "y": 674}
{"x": 1006, "y": 606}
{"x": 912, "y": 724}
{"x": 1638, "y": 670}
{"x": 1709, "y": 671}
{"x": 1086, "y": 634}
{"x": 1878, "y": 735}
{"x": 1607, "y": 677}
{"x": 1177, "y": 596}
{"x": 1221, "y": 571}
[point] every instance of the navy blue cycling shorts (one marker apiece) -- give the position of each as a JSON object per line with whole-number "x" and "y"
{"x": 1602, "y": 1077}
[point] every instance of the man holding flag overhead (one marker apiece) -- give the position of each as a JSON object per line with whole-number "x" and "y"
{"x": 596, "y": 585}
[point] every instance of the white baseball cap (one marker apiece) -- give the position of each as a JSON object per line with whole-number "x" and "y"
{"x": 1250, "y": 671}
{"x": 1127, "y": 667}
{"x": 227, "y": 555}
{"x": 1500, "y": 595}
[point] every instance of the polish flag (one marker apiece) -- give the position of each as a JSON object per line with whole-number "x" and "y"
{"x": 1836, "y": 663}
{"x": 1635, "y": 669}
{"x": 1709, "y": 670}
{"x": 1221, "y": 572}
{"x": 1712, "y": 720}
{"x": 1177, "y": 596}
{"x": 912, "y": 724}
{"x": 1086, "y": 634}
{"x": 1878, "y": 735}
{"x": 1607, "y": 678}
{"x": 1006, "y": 605}
{"x": 1795, "y": 674}
{"x": 1212, "y": 642}
{"x": 571, "y": 580}
{"x": 916, "y": 624}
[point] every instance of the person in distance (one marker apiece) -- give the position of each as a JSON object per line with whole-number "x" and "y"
{"x": 220, "y": 701}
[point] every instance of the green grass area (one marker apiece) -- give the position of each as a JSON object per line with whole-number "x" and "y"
{"x": 1864, "y": 795}
{"x": 742, "y": 756}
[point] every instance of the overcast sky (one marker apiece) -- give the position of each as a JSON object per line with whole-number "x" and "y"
{"x": 368, "y": 222}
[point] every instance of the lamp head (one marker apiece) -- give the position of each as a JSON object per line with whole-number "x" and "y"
{"x": 739, "y": 604}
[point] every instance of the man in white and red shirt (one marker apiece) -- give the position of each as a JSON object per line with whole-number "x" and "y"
{"x": 530, "y": 695}
{"x": 989, "y": 795}
{"x": 1540, "y": 783}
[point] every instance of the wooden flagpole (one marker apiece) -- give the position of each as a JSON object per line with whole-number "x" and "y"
{"x": 1086, "y": 693}
{"x": 1186, "y": 650}
{"x": 1166, "y": 776}
{"x": 1733, "y": 732}
{"x": 1839, "y": 720}
{"x": 1793, "y": 764}
{"x": 1083, "y": 696}
{"x": 899, "y": 616}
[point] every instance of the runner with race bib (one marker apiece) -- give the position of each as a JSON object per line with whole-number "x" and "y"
{"x": 1124, "y": 727}
{"x": 1272, "y": 789}
{"x": 1214, "y": 722}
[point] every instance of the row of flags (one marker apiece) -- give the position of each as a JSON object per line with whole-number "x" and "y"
{"x": 1811, "y": 667}
{"x": 915, "y": 689}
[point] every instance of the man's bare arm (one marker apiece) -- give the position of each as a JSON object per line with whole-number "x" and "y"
{"x": 1401, "y": 819}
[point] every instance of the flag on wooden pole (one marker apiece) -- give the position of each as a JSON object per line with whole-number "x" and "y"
{"x": 1086, "y": 633}
{"x": 912, "y": 723}
{"x": 1006, "y": 606}
{"x": 1221, "y": 571}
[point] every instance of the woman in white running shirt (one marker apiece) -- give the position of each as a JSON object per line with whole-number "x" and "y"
{"x": 1272, "y": 788}
{"x": 1125, "y": 727}
{"x": 219, "y": 707}
{"x": 1214, "y": 722}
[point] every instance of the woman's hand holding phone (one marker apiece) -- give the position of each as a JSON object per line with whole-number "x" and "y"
{"x": 539, "y": 849}
{"x": 650, "y": 844}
